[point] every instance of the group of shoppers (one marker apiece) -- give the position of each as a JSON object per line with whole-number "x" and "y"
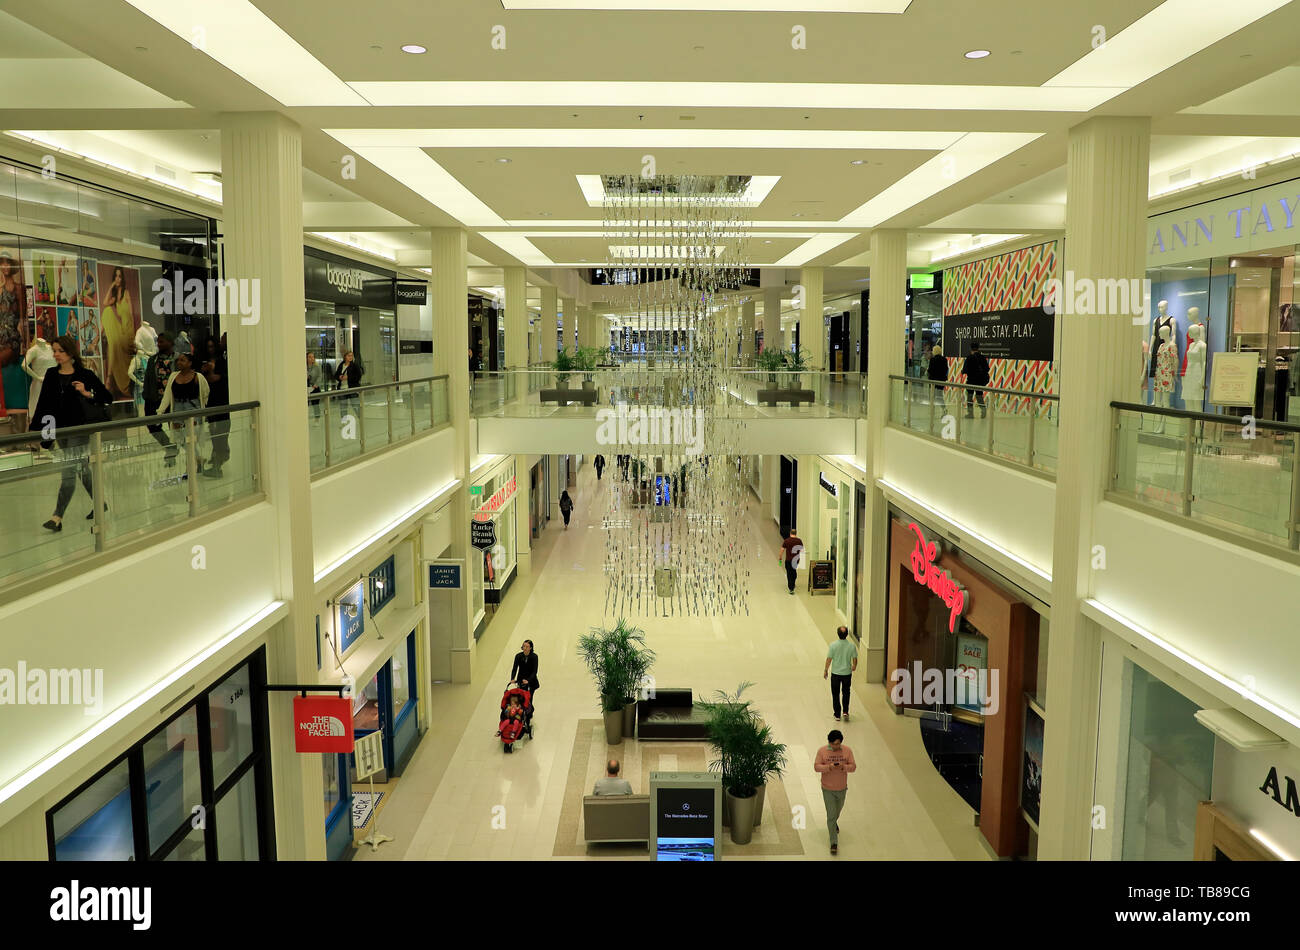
{"x": 976, "y": 369}
{"x": 73, "y": 395}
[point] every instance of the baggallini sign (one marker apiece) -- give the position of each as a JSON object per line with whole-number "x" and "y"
{"x": 928, "y": 574}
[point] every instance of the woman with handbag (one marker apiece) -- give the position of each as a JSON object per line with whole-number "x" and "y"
{"x": 71, "y": 395}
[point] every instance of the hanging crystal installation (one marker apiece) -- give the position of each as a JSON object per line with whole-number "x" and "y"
{"x": 677, "y": 533}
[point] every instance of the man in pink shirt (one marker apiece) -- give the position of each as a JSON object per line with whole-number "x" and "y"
{"x": 834, "y": 761}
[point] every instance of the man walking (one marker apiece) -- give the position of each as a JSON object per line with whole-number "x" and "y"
{"x": 599, "y": 463}
{"x": 841, "y": 664}
{"x": 834, "y": 761}
{"x": 976, "y": 368}
{"x": 792, "y": 554}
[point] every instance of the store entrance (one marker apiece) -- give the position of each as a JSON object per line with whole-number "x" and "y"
{"x": 1264, "y": 319}
{"x": 789, "y": 491}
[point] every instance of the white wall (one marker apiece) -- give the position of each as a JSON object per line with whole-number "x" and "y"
{"x": 1229, "y": 607}
{"x": 414, "y": 323}
{"x": 138, "y": 619}
{"x": 1012, "y": 509}
{"x": 349, "y": 506}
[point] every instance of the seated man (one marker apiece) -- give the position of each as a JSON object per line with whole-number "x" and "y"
{"x": 611, "y": 784}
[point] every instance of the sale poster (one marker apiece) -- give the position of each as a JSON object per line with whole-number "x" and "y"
{"x": 119, "y": 318}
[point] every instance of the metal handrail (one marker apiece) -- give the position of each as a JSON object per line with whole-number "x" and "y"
{"x": 329, "y": 393}
{"x": 1203, "y": 416}
{"x": 20, "y": 438}
{"x": 1051, "y": 397}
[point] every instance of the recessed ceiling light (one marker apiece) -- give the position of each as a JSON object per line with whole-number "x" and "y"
{"x": 414, "y": 48}
{"x": 858, "y": 161}
{"x": 375, "y": 46}
{"x": 544, "y": 214}
{"x": 1016, "y": 52}
{"x": 503, "y": 161}
{"x": 142, "y": 49}
{"x": 976, "y": 53}
{"x": 767, "y": 242}
{"x": 796, "y": 214}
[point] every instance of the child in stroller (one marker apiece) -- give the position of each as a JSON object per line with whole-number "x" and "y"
{"x": 516, "y": 717}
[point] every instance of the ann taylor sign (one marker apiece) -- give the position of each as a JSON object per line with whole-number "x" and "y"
{"x": 1253, "y": 221}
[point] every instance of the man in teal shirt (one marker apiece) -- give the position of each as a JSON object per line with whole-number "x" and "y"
{"x": 841, "y": 662}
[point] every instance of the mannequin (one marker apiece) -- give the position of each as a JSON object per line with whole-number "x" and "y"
{"x": 1142, "y": 372}
{"x": 183, "y": 344}
{"x": 39, "y": 358}
{"x": 1166, "y": 365}
{"x": 1162, "y": 319}
{"x": 146, "y": 338}
{"x": 1194, "y": 378}
{"x": 139, "y": 362}
{"x": 1193, "y": 318}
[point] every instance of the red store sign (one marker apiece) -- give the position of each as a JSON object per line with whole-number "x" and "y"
{"x": 928, "y": 574}
{"x": 499, "y": 498}
{"x": 322, "y": 724}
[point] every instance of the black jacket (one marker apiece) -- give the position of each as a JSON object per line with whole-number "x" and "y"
{"x": 938, "y": 368}
{"x": 153, "y": 386}
{"x": 977, "y": 369}
{"x": 566, "y": 503}
{"x": 60, "y": 400}
{"x": 354, "y": 374}
{"x": 525, "y": 668}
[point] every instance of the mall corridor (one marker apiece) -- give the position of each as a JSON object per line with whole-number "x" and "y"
{"x": 464, "y": 800}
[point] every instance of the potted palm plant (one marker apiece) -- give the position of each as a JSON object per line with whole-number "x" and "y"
{"x": 772, "y": 362}
{"x": 618, "y": 660}
{"x": 563, "y": 366}
{"x": 796, "y": 363}
{"x": 584, "y": 358}
{"x": 747, "y": 757}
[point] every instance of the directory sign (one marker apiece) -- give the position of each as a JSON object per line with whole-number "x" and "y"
{"x": 686, "y": 815}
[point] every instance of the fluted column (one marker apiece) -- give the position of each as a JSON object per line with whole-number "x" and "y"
{"x": 885, "y": 339}
{"x": 1106, "y": 197}
{"x": 812, "y": 321}
{"x": 261, "y": 170}
{"x": 516, "y": 318}
{"x": 546, "y": 323}
{"x": 451, "y": 330}
{"x": 772, "y": 335}
{"x": 747, "y": 326}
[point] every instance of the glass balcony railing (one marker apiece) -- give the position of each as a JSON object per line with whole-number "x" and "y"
{"x": 749, "y": 393}
{"x": 144, "y": 475}
{"x": 1008, "y": 425}
{"x": 346, "y": 424}
{"x": 1236, "y": 476}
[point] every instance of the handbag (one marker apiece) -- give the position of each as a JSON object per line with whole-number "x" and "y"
{"x": 96, "y": 411}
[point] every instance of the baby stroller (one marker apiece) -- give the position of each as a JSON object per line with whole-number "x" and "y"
{"x": 515, "y": 726}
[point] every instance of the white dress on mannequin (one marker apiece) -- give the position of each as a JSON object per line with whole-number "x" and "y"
{"x": 1166, "y": 373}
{"x": 146, "y": 339}
{"x": 1194, "y": 378}
{"x": 39, "y": 358}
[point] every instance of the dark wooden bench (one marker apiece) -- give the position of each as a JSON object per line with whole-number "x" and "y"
{"x": 565, "y": 396}
{"x": 771, "y": 397}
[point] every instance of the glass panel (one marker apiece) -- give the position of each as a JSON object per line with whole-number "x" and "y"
{"x": 421, "y": 394}
{"x": 1170, "y": 761}
{"x": 401, "y": 684}
{"x": 375, "y": 406}
{"x": 190, "y": 848}
{"x": 1046, "y": 434}
{"x": 316, "y": 431}
{"x": 48, "y": 202}
{"x": 29, "y": 486}
{"x": 1013, "y": 417}
{"x": 230, "y": 708}
{"x": 237, "y": 821}
{"x": 171, "y": 777}
{"x": 401, "y": 405}
{"x": 330, "y": 766}
{"x": 8, "y": 192}
{"x": 96, "y": 825}
{"x": 345, "y": 428}
{"x": 1243, "y": 483}
{"x": 441, "y": 414}
{"x": 103, "y": 214}
{"x": 1149, "y": 466}
{"x": 145, "y": 479}
{"x": 226, "y": 452}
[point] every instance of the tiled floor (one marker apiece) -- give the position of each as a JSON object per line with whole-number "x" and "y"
{"x": 461, "y": 798}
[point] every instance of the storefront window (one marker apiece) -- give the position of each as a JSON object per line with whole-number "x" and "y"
{"x": 171, "y": 775}
{"x": 330, "y": 767}
{"x": 237, "y": 821}
{"x": 230, "y": 715}
{"x": 401, "y": 683}
{"x": 1170, "y": 761}
{"x": 96, "y": 824}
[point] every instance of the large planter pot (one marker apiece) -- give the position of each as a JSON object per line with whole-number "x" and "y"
{"x": 629, "y": 719}
{"x": 771, "y": 383}
{"x": 742, "y": 817}
{"x": 614, "y": 727}
{"x": 562, "y": 382}
{"x": 758, "y": 808}
{"x": 588, "y": 384}
{"x": 793, "y": 382}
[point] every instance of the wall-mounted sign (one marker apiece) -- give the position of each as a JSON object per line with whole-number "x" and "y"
{"x": 499, "y": 497}
{"x": 929, "y": 574}
{"x": 826, "y": 483}
{"x": 483, "y": 534}
{"x": 350, "y": 614}
{"x": 322, "y": 724}
{"x": 1261, "y": 789}
{"x": 920, "y": 281}
{"x": 444, "y": 576}
{"x": 333, "y": 279}
{"x": 1023, "y": 333}
{"x": 1257, "y": 220}
{"x": 411, "y": 292}
{"x": 414, "y": 347}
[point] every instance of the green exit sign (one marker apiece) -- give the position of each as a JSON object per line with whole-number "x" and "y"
{"x": 476, "y": 489}
{"x": 921, "y": 281}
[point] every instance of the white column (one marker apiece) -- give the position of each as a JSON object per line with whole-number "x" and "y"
{"x": 812, "y": 322}
{"x": 885, "y": 339}
{"x": 1106, "y": 197}
{"x": 516, "y": 316}
{"x": 523, "y": 509}
{"x": 261, "y": 165}
{"x": 772, "y": 335}
{"x": 747, "y": 327}
{"x": 451, "y": 330}
{"x": 569, "y": 316}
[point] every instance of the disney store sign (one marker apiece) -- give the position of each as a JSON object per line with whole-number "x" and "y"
{"x": 929, "y": 574}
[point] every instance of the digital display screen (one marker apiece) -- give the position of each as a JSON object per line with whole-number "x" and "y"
{"x": 686, "y": 824}
{"x": 663, "y": 490}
